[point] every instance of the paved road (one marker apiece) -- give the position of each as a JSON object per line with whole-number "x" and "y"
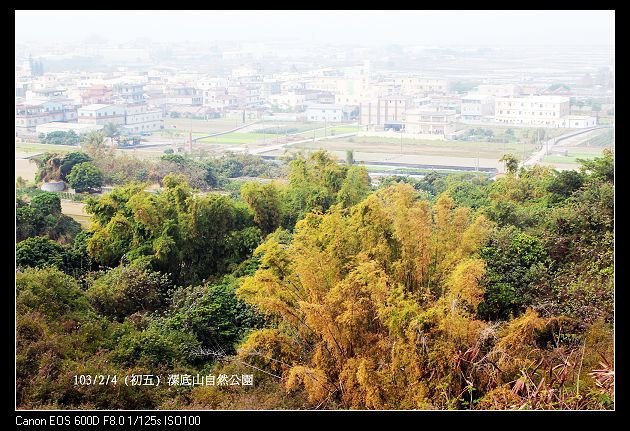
{"x": 538, "y": 155}
{"x": 222, "y": 133}
{"x": 269, "y": 148}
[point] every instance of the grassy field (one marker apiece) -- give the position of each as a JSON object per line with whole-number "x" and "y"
{"x": 202, "y": 126}
{"x": 600, "y": 138}
{"x": 239, "y": 138}
{"x": 300, "y": 126}
{"x": 571, "y": 158}
{"x": 489, "y": 150}
{"x": 518, "y": 131}
{"x": 177, "y": 134}
{"x": 572, "y": 155}
{"x": 336, "y": 130}
{"x": 76, "y": 211}
{"x": 28, "y": 147}
{"x": 606, "y": 120}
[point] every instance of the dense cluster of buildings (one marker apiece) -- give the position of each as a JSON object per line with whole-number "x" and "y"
{"x": 138, "y": 102}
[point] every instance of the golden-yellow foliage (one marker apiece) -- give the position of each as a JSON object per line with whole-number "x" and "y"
{"x": 500, "y": 398}
{"x": 521, "y": 331}
{"x": 373, "y": 297}
{"x": 313, "y": 380}
{"x": 271, "y": 349}
{"x": 463, "y": 282}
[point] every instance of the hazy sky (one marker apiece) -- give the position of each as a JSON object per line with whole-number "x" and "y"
{"x": 361, "y": 27}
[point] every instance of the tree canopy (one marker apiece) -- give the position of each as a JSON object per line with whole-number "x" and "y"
{"x": 450, "y": 291}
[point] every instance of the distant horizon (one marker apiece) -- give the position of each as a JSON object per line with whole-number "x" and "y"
{"x": 473, "y": 28}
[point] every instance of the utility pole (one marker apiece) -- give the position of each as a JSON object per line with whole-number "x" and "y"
{"x": 547, "y": 147}
{"x": 477, "y": 167}
{"x": 190, "y": 135}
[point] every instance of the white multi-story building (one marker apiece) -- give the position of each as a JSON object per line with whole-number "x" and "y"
{"x": 294, "y": 99}
{"x": 476, "y": 107}
{"x": 536, "y": 111}
{"x": 210, "y": 95}
{"x": 133, "y": 118}
{"x": 28, "y": 115}
{"x": 140, "y": 119}
{"x": 221, "y": 102}
{"x": 430, "y": 120}
{"x": 577, "y": 121}
{"x": 184, "y": 95}
{"x": 128, "y": 92}
{"x": 376, "y": 112}
{"x": 326, "y": 112}
{"x": 100, "y": 113}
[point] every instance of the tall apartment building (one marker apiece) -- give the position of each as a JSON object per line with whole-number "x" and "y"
{"x": 541, "y": 111}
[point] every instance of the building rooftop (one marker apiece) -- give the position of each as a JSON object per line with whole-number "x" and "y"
{"x": 94, "y": 107}
{"x": 40, "y": 102}
{"x": 49, "y": 90}
{"x": 540, "y": 99}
